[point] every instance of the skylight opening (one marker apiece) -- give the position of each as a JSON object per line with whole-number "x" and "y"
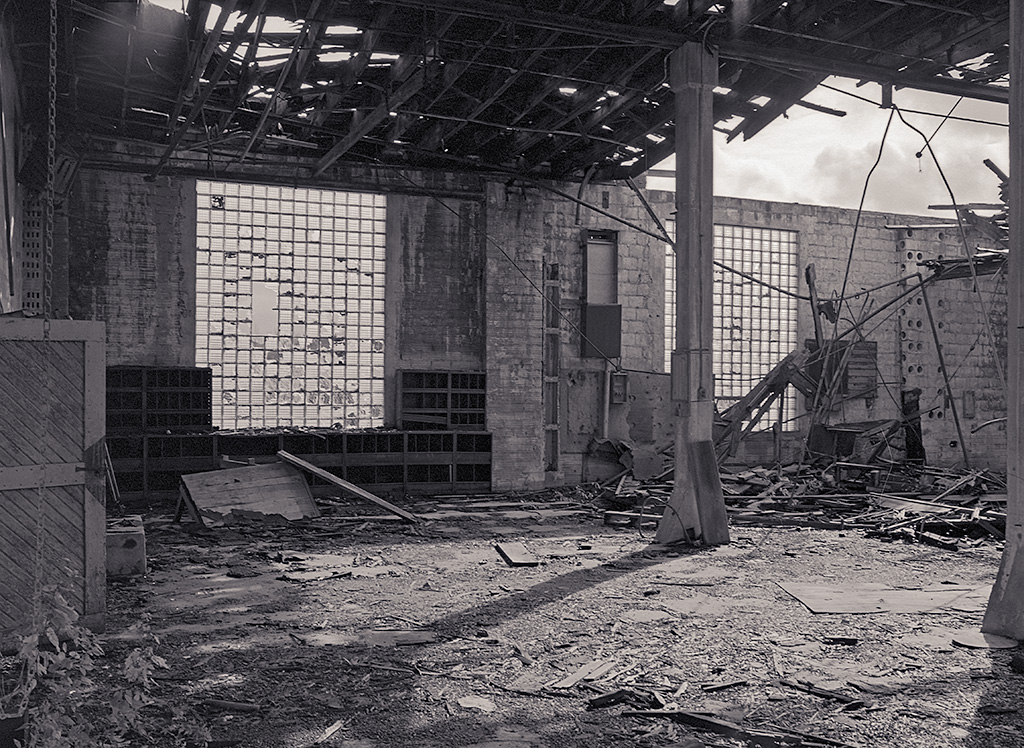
{"x": 216, "y": 10}
{"x": 278, "y": 25}
{"x": 178, "y": 5}
{"x": 334, "y": 56}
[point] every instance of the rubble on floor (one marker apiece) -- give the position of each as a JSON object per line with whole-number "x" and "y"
{"x": 385, "y": 634}
{"x": 945, "y": 508}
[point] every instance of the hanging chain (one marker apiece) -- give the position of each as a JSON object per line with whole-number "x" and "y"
{"x": 44, "y": 347}
{"x": 51, "y": 158}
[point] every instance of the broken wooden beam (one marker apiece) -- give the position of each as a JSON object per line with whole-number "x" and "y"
{"x": 344, "y": 484}
{"x": 707, "y": 723}
{"x": 824, "y": 693}
{"x": 611, "y": 698}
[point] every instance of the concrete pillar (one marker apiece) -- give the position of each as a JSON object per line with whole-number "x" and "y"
{"x": 1005, "y": 614}
{"x": 696, "y": 511}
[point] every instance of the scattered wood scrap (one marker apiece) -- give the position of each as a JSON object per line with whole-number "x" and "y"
{"x": 344, "y": 484}
{"x": 763, "y": 738}
{"x": 824, "y": 693}
{"x": 516, "y": 554}
{"x": 944, "y": 508}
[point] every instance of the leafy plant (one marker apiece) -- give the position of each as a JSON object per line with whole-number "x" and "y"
{"x": 55, "y": 689}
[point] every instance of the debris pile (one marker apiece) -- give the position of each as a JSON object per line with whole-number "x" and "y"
{"x": 891, "y": 501}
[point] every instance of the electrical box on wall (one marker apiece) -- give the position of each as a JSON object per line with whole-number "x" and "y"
{"x": 619, "y": 388}
{"x": 602, "y": 330}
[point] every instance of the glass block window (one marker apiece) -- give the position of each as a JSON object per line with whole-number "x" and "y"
{"x": 754, "y": 326}
{"x": 290, "y": 305}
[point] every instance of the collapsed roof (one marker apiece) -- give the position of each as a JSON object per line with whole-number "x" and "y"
{"x": 543, "y": 88}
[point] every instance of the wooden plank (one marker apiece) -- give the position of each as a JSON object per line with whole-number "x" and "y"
{"x": 350, "y": 487}
{"x": 516, "y": 554}
{"x": 583, "y": 672}
{"x": 266, "y": 489}
{"x": 41, "y": 476}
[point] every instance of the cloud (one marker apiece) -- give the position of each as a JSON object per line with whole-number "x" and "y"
{"x": 815, "y": 158}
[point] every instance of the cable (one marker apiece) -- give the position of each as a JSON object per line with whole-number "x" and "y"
{"x": 819, "y": 394}
{"x": 967, "y": 247}
{"x": 860, "y": 207}
{"x": 939, "y": 126}
{"x": 857, "y": 47}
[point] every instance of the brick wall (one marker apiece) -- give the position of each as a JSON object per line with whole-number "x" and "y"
{"x": 824, "y": 238}
{"x": 518, "y": 232}
{"x": 131, "y": 250}
{"x": 456, "y": 301}
{"x": 973, "y": 354}
{"x": 435, "y": 288}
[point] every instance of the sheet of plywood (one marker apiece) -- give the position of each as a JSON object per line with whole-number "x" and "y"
{"x": 880, "y": 598}
{"x": 263, "y": 489}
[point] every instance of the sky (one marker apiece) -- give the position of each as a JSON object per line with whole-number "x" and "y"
{"x": 819, "y": 159}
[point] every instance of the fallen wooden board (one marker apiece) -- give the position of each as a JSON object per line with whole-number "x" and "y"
{"x": 350, "y": 487}
{"x": 273, "y": 489}
{"x": 515, "y": 554}
{"x": 880, "y": 598}
{"x": 582, "y": 672}
{"x": 823, "y": 693}
{"x": 707, "y": 723}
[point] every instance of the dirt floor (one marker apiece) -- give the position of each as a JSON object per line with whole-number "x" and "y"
{"x": 373, "y": 634}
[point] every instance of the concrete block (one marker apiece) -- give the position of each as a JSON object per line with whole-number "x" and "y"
{"x": 126, "y": 547}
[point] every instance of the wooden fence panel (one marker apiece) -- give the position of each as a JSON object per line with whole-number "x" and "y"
{"x": 52, "y": 517}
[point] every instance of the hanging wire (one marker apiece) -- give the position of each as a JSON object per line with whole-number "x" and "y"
{"x": 821, "y": 396}
{"x": 872, "y": 102}
{"x": 939, "y": 126}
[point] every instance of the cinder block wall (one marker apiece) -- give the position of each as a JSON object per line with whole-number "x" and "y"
{"x": 457, "y": 300}
{"x": 974, "y": 353}
{"x": 535, "y": 226}
{"x": 515, "y": 252}
{"x": 131, "y": 263}
{"x": 434, "y": 296}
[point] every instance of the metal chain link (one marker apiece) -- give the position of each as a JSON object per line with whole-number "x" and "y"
{"x": 51, "y": 159}
{"x": 46, "y": 414}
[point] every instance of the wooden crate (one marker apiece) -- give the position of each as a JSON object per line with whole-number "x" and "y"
{"x": 52, "y": 516}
